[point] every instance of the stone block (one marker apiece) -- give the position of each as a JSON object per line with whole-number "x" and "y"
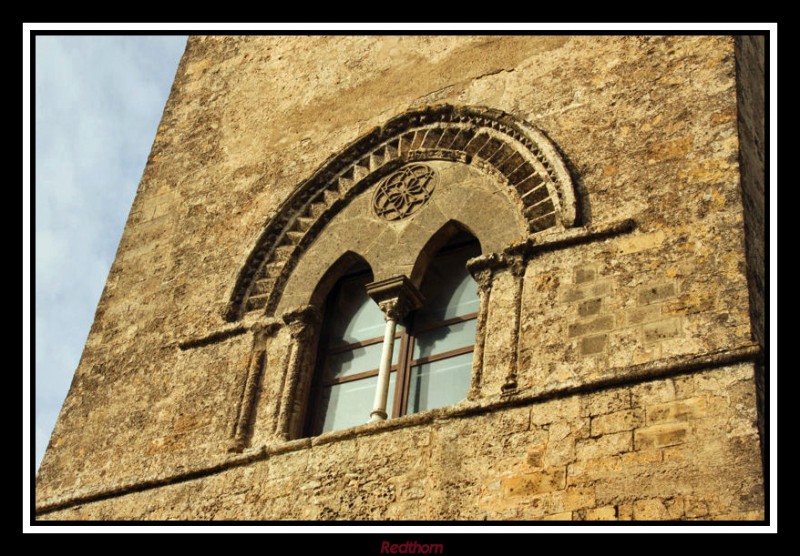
{"x": 535, "y": 456}
{"x": 648, "y": 393}
{"x": 585, "y": 274}
{"x": 560, "y": 452}
{"x": 577, "y": 497}
{"x": 660, "y": 436}
{"x": 590, "y": 307}
{"x": 563, "y": 516}
{"x": 546, "y": 480}
{"x": 564, "y": 409}
{"x": 605, "y": 513}
{"x": 639, "y": 315}
{"x": 681, "y": 410}
{"x": 616, "y": 422}
{"x": 641, "y": 242}
{"x": 695, "y": 507}
{"x": 602, "y": 446}
{"x": 599, "y": 288}
{"x": 658, "y": 292}
{"x": 651, "y": 509}
{"x": 599, "y": 324}
{"x": 606, "y": 402}
{"x": 663, "y": 330}
{"x": 591, "y": 345}
{"x": 625, "y": 512}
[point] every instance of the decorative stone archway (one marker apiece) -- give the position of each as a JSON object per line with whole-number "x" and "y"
{"x": 509, "y": 149}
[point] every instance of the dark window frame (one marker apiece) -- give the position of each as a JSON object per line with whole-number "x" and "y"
{"x": 315, "y": 411}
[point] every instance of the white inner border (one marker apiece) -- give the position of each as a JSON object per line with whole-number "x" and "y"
{"x": 121, "y": 28}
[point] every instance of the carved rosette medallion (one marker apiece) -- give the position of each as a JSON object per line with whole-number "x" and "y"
{"x": 404, "y": 192}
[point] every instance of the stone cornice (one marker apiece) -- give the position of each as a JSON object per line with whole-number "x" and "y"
{"x": 613, "y": 378}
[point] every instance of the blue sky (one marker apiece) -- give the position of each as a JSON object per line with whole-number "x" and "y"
{"x": 98, "y": 103}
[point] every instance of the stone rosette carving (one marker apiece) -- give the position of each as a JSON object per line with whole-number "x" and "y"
{"x": 511, "y": 149}
{"x": 404, "y": 192}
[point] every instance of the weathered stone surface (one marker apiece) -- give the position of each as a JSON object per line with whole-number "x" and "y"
{"x": 177, "y": 413}
{"x": 474, "y": 468}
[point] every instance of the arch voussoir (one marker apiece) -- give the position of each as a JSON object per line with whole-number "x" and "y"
{"x": 515, "y": 152}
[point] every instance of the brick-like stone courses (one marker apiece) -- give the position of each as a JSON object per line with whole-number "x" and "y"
{"x": 649, "y": 127}
{"x": 644, "y": 452}
{"x": 593, "y": 308}
{"x": 593, "y": 322}
{"x": 647, "y": 316}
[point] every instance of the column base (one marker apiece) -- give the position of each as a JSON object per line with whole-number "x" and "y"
{"x": 377, "y": 416}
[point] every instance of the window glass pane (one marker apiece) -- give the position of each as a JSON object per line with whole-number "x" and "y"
{"x": 356, "y": 316}
{"x": 349, "y": 404}
{"x": 444, "y": 339}
{"x": 448, "y": 288}
{"x": 440, "y": 383}
{"x": 358, "y": 360}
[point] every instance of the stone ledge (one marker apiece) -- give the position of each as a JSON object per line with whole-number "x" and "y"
{"x": 169, "y": 477}
{"x": 212, "y": 337}
{"x": 614, "y": 378}
{"x": 266, "y": 326}
{"x": 534, "y": 244}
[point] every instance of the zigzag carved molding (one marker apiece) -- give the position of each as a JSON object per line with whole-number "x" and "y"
{"x": 510, "y": 149}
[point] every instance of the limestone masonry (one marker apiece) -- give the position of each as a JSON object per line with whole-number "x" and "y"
{"x": 616, "y": 188}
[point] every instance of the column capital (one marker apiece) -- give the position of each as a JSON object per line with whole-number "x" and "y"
{"x": 395, "y": 296}
{"x": 482, "y": 270}
{"x": 301, "y": 319}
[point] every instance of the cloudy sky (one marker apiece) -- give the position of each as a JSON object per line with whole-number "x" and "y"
{"x": 98, "y": 103}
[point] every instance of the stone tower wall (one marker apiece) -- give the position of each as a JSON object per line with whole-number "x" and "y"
{"x": 630, "y": 333}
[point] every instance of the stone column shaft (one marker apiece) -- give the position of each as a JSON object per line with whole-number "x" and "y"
{"x": 396, "y": 297}
{"x": 382, "y": 389}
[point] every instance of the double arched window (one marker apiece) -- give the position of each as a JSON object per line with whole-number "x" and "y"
{"x": 431, "y": 362}
{"x": 375, "y": 242}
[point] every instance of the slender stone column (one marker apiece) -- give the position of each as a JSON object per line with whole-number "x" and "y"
{"x": 302, "y": 324}
{"x": 517, "y": 265}
{"x": 396, "y": 297}
{"x": 482, "y": 270}
{"x": 243, "y": 426}
{"x": 382, "y": 389}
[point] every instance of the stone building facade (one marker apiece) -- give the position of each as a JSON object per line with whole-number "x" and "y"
{"x": 614, "y": 190}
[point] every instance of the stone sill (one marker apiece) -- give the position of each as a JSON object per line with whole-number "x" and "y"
{"x": 655, "y": 370}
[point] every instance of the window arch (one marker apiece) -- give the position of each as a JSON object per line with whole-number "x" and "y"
{"x": 390, "y": 201}
{"x": 348, "y": 356}
{"x": 442, "y": 331}
{"x": 431, "y": 363}
{"x": 525, "y": 164}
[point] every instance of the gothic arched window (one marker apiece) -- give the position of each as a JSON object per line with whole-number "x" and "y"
{"x": 349, "y": 353}
{"x": 432, "y": 355}
{"x": 363, "y": 237}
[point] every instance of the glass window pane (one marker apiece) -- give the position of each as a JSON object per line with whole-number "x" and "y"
{"x": 440, "y": 383}
{"x": 356, "y": 317}
{"x": 349, "y": 404}
{"x": 444, "y": 339}
{"x": 358, "y": 360}
{"x": 449, "y": 289}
